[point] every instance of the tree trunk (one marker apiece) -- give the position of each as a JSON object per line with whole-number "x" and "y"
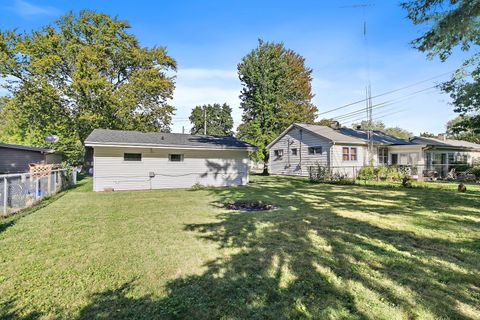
{"x": 266, "y": 156}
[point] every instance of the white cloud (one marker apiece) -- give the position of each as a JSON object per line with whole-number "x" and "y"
{"x": 26, "y": 9}
{"x": 197, "y": 86}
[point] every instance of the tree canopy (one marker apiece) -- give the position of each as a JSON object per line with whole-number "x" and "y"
{"x": 457, "y": 130}
{"x": 379, "y": 125}
{"x": 82, "y": 72}
{"x": 453, "y": 25}
{"x": 276, "y": 93}
{"x": 218, "y": 117}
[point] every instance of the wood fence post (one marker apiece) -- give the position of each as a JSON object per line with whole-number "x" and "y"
{"x": 5, "y": 195}
{"x": 49, "y": 183}
{"x": 37, "y": 188}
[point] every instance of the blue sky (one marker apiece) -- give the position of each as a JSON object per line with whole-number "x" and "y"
{"x": 209, "y": 38}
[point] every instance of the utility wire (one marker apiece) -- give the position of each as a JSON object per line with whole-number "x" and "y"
{"x": 386, "y": 93}
{"x": 381, "y": 104}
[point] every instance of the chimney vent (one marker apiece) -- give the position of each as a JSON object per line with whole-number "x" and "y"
{"x": 334, "y": 124}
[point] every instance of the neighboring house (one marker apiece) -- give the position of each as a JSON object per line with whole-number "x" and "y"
{"x": 131, "y": 160}
{"x": 442, "y": 154}
{"x": 15, "y": 158}
{"x": 345, "y": 150}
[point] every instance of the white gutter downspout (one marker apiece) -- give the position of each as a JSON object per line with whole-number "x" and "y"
{"x": 301, "y": 138}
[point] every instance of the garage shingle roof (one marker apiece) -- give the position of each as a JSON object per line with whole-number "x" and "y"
{"x": 161, "y": 139}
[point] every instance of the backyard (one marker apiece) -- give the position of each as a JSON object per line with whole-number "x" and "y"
{"x": 326, "y": 252}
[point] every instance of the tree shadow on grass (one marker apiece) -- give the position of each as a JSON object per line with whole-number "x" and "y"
{"x": 307, "y": 260}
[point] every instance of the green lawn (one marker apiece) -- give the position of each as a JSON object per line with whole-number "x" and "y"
{"x": 328, "y": 252}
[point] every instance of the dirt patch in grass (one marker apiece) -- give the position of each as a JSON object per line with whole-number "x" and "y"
{"x": 249, "y": 206}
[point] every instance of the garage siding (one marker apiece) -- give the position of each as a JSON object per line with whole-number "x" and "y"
{"x": 207, "y": 167}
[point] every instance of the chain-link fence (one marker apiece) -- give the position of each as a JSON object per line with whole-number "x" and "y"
{"x": 22, "y": 190}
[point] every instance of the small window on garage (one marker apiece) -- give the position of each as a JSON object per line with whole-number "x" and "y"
{"x": 132, "y": 157}
{"x": 294, "y": 151}
{"x": 315, "y": 150}
{"x": 278, "y": 153}
{"x": 175, "y": 157}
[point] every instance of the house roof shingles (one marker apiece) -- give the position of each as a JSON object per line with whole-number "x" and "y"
{"x": 446, "y": 143}
{"x": 137, "y": 138}
{"x": 347, "y": 135}
{"x": 27, "y": 148}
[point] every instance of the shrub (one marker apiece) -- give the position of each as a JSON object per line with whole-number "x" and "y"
{"x": 322, "y": 174}
{"x": 406, "y": 181}
{"x": 381, "y": 173}
{"x": 476, "y": 171}
{"x": 367, "y": 173}
{"x": 197, "y": 186}
{"x": 393, "y": 174}
{"x": 461, "y": 167}
{"x": 389, "y": 173}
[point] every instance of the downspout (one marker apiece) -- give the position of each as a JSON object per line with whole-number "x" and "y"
{"x": 300, "y": 150}
{"x": 288, "y": 152}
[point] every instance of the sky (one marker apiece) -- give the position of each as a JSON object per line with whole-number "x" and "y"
{"x": 209, "y": 38}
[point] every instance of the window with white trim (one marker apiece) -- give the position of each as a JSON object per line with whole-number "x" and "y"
{"x": 383, "y": 156}
{"x": 278, "y": 153}
{"x": 175, "y": 157}
{"x": 314, "y": 150}
{"x": 132, "y": 157}
{"x": 349, "y": 154}
{"x": 294, "y": 151}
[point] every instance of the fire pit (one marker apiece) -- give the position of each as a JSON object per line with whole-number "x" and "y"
{"x": 249, "y": 206}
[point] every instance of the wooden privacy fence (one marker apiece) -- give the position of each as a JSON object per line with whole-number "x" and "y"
{"x": 22, "y": 190}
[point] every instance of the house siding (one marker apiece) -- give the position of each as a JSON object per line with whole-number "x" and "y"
{"x": 16, "y": 160}
{"x": 290, "y": 164}
{"x": 206, "y": 167}
{"x": 348, "y": 167}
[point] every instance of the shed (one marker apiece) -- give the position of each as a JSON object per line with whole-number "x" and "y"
{"x": 133, "y": 160}
{"x": 15, "y": 158}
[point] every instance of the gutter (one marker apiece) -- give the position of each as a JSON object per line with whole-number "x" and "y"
{"x": 156, "y": 146}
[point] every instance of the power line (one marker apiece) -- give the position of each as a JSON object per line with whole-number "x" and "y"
{"x": 382, "y": 104}
{"x": 381, "y": 115}
{"x": 386, "y": 93}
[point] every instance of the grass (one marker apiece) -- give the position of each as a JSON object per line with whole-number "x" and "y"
{"x": 328, "y": 252}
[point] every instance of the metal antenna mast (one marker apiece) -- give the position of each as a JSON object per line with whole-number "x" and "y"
{"x": 368, "y": 86}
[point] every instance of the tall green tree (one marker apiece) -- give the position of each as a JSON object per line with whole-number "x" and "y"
{"x": 457, "y": 130}
{"x": 276, "y": 93}
{"x": 428, "y": 135}
{"x": 218, "y": 118}
{"x": 453, "y": 25}
{"x": 380, "y": 126}
{"x": 83, "y": 72}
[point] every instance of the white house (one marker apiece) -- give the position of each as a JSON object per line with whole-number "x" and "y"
{"x": 131, "y": 160}
{"x": 345, "y": 150}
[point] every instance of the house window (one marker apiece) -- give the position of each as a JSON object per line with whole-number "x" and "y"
{"x": 353, "y": 154}
{"x": 278, "y": 153}
{"x": 294, "y": 151}
{"x": 175, "y": 157}
{"x": 132, "y": 157}
{"x": 394, "y": 158}
{"x": 383, "y": 156}
{"x": 315, "y": 150}
{"x": 349, "y": 154}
